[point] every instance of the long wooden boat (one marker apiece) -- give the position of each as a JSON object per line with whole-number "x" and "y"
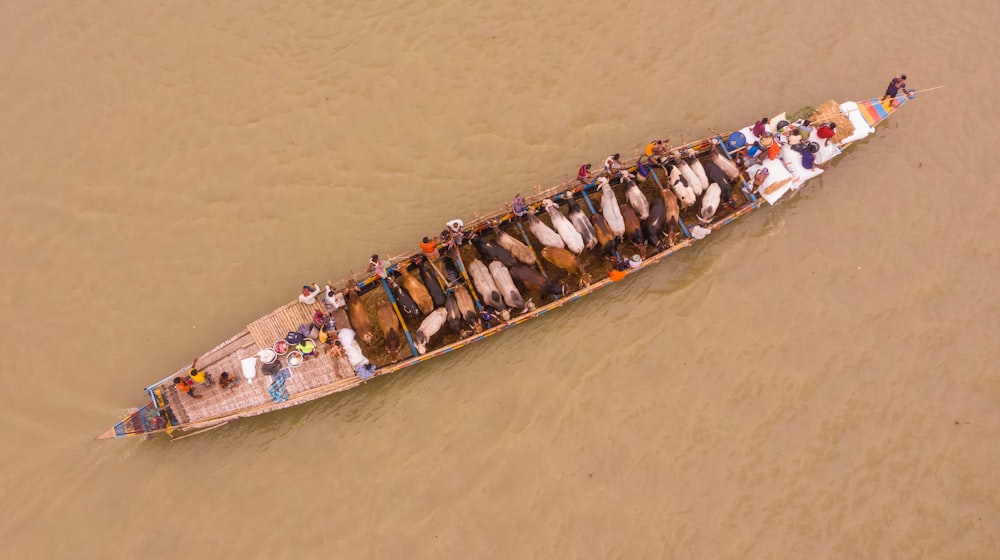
{"x": 168, "y": 410}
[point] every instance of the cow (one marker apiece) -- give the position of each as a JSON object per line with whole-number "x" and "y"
{"x": 358, "y": 314}
{"x": 604, "y": 236}
{"x": 430, "y": 278}
{"x": 521, "y": 252}
{"x": 543, "y": 233}
{"x": 533, "y": 279}
{"x": 389, "y": 323}
{"x": 417, "y": 290}
{"x": 403, "y": 299}
{"x": 633, "y": 230}
{"x": 504, "y": 283}
{"x": 428, "y": 328}
{"x": 580, "y": 222}
{"x": 568, "y": 262}
{"x": 565, "y": 228}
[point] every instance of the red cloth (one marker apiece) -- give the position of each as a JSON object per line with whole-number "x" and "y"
{"x": 825, "y": 132}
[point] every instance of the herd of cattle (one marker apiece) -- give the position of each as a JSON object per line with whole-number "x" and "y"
{"x": 507, "y": 268}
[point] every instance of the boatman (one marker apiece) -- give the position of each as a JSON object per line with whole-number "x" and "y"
{"x": 583, "y": 175}
{"x": 895, "y": 85}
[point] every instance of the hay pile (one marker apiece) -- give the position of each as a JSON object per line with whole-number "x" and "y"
{"x": 830, "y": 112}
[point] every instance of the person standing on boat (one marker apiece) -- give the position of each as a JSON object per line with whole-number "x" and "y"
{"x": 308, "y": 295}
{"x": 583, "y": 175}
{"x": 199, "y": 376}
{"x": 895, "y": 85}
{"x": 429, "y": 247}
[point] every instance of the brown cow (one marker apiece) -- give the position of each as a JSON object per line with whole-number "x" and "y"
{"x": 389, "y": 324}
{"x": 465, "y": 304}
{"x": 673, "y": 215}
{"x": 633, "y": 230}
{"x": 567, "y": 261}
{"x": 605, "y": 238}
{"x": 418, "y": 292}
{"x": 533, "y": 279}
{"x": 359, "y": 315}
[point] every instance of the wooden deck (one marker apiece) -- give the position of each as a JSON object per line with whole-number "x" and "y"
{"x": 275, "y": 325}
{"x": 316, "y": 377}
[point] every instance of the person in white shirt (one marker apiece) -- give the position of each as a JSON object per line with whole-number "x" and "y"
{"x": 457, "y": 235}
{"x": 333, "y": 299}
{"x": 612, "y": 165}
{"x": 308, "y": 295}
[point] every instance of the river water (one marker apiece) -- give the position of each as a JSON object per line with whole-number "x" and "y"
{"x": 817, "y": 380}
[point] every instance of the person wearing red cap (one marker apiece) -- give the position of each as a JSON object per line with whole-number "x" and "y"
{"x": 308, "y": 295}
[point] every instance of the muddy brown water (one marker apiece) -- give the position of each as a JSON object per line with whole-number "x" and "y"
{"x": 817, "y": 380}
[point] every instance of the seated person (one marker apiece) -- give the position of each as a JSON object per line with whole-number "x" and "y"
{"x": 271, "y": 368}
{"x": 376, "y": 265}
{"x": 307, "y": 347}
{"x": 184, "y": 386}
{"x": 333, "y": 299}
{"x": 758, "y": 178}
{"x": 826, "y": 132}
{"x": 519, "y": 207}
{"x": 227, "y": 382}
{"x": 808, "y": 159}
{"x": 617, "y": 273}
{"x": 488, "y": 316}
{"x": 319, "y": 319}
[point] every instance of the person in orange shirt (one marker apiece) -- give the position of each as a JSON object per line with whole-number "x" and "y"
{"x": 184, "y": 386}
{"x": 618, "y": 272}
{"x": 429, "y": 246}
